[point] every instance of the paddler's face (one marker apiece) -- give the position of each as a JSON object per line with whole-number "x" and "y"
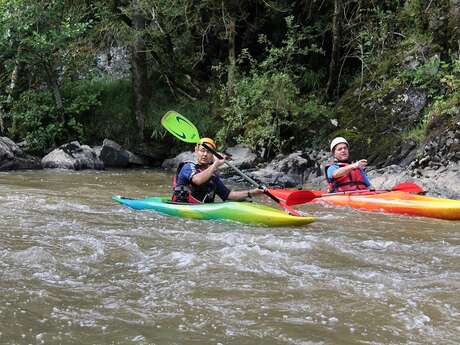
{"x": 203, "y": 156}
{"x": 341, "y": 152}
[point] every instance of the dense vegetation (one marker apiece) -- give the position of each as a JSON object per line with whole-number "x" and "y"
{"x": 274, "y": 74}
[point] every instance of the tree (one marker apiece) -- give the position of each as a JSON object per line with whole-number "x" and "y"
{"x": 335, "y": 53}
{"x": 145, "y": 28}
{"x": 42, "y": 39}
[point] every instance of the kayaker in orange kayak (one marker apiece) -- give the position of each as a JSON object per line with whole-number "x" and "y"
{"x": 342, "y": 175}
{"x": 199, "y": 181}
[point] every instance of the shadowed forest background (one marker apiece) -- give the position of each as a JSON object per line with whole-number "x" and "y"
{"x": 275, "y": 75}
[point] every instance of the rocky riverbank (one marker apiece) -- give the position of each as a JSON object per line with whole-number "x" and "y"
{"x": 73, "y": 156}
{"x": 305, "y": 169}
{"x": 434, "y": 165}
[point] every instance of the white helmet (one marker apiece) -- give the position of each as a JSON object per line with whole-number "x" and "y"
{"x": 338, "y": 140}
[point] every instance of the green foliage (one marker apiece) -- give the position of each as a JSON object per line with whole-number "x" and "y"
{"x": 35, "y": 116}
{"x": 264, "y": 103}
{"x": 412, "y": 16}
{"x": 275, "y": 100}
{"x": 265, "y": 109}
{"x": 425, "y": 75}
{"x": 82, "y": 96}
{"x": 295, "y": 44}
{"x": 112, "y": 117}
{"x": 45, "y": 36}
{"x": 446, "y": 105}
{"x": 375, "y": 34}
{"x": 197, "y": 111}
{"x": 417, "y": 134}
{"x": 433, "y": 76}
{"x": 43, "y": 41}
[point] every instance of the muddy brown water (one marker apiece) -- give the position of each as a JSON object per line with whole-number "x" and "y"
{"x": 77, "y": 268}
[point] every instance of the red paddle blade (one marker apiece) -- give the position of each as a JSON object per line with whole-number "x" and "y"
{"x": 295, "y": 196}
{"x": 290, "y": 210}
{"x": 409, "y": 187}
{"x": 282, "y": 194}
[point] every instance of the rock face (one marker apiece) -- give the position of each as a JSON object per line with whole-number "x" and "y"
{"x": 13, "y": 158}
{"x": 443, "y": 182}
{"x": 113, "y": 155}
{"x": 408, "y": 105}
{"x": 73, "y": 156}
{"x": 292, "y": 170}
{"x": 284, "y": 171}
{"x": 115, "y": 62}
{"x": 435, "y": 165}
{"x": 173, "y": 163}
{"x": 242, "y": 156}
{"x": 438, "y": 151}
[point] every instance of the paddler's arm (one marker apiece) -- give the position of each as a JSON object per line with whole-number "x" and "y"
{"x": 206, "y": 174}
{"x": 347, "y": 168}
{"x": 244, "y": 194}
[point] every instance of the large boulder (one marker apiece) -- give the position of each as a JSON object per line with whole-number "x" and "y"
{"x": 73, "y": 156}
{"x": 173, "y": 163}
{"x": 287, "y": 171}
{"x": 115, "y": 156}
{"x": 443, "y": 181}
{"x": 242, "y": 156}
{"x": 239, "y": 156}
{"x": 13, "y": 158}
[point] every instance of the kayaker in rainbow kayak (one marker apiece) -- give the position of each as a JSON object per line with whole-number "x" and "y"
{"x": 342, "y": 175}
{"x": 200, "y": 182}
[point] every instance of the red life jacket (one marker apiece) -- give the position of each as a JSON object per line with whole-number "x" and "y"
{"x": 354, "y": 180}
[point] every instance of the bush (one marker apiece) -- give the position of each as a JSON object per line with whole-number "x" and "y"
{"x": 35, "y": 117}
{"x": 265, "y": 108}
{"x": 112, "y": 117}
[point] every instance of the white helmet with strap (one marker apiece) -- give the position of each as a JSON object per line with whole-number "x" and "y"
{"x": 338, "y": 140}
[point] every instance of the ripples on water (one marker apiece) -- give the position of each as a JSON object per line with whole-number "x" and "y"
{"x": 76, "y": 268}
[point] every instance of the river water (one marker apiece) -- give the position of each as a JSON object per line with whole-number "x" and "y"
{"x": 77, "y": 268}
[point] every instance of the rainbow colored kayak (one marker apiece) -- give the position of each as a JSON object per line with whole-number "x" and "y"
{"x": 396, "y": 202}
{"x": 243, "y": 212}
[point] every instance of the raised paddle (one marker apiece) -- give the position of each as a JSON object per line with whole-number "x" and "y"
{"x": 181, "y": 127}
{"x": 297, "y": 197}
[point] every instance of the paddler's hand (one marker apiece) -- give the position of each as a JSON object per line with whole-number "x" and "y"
{"x": 217, "y": 163}
{"x": 360, "y": 164}
{"x": 255, "y": 191}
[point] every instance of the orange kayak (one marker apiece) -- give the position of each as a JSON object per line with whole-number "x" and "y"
{"x": 396, "y": 202}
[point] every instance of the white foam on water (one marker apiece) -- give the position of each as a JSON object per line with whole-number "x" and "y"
{"x": 79, "y": 266}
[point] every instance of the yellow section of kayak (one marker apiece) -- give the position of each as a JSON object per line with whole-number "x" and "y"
{"x": 398, "y": 202}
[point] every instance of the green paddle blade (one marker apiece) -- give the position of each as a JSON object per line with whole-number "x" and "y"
{"x": 180, "y": 127}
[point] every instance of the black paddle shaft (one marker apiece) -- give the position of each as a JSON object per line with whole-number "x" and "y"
{"x": 246, "y": 177}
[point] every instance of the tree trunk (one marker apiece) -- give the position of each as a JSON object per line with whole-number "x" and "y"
{"x": 333, "y": 80}
{"x": 231, "y": 58}
{"x": 53, "y": 84}
{"x": 139, "y": 75}
{"x": 2, "y": 125}
{"x": 57, "y": 94}
{"x": 13, "y": 82}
